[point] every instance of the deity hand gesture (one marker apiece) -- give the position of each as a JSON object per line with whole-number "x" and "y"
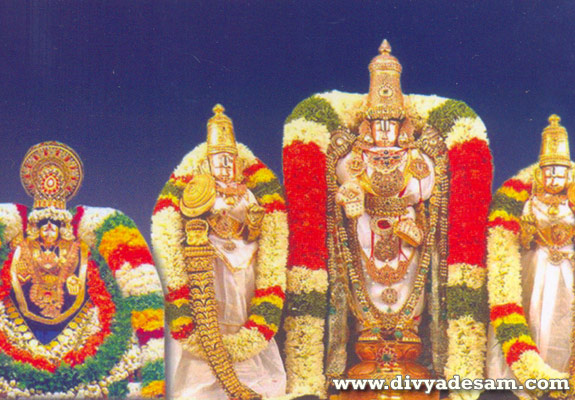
{"x": 350, "y": 196}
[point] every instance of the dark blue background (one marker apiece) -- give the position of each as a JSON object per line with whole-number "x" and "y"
{"x": 130, "y": 84}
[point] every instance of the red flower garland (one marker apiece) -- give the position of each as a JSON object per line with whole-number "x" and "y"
{"x": 470, "y": 167}
{"x": 307, "y": 199}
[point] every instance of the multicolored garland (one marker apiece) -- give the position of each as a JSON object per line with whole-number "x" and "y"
{"x": 126, "y": 337}
{"x": 504, "y": 285}
{"x": 307, "y": 134}
{"x": 168, "y": 239}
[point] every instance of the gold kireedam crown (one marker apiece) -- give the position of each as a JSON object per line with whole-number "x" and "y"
{"x": 385, "y": 98}
{"x": 221, "y": 136}
{"x": 51, "y": 173}
{"x": 554, "y": 144}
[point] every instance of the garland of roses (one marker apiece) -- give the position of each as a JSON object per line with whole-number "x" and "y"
{"x": 168, "y": 239}
{"x": 95, "y": 359}
{"x": 307, "y": 134}
{"x": 505, "y": 290}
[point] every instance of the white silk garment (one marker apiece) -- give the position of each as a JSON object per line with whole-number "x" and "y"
{"x": 415, "y": 191}
{"x": 234, "y": 287}
{"x": 547, "y": 298}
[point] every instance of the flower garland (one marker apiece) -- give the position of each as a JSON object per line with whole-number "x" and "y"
{"x": 123, "y": 335}
{"x": 168, "y": 238}
{"x": 307, "y": 135}
{"x": 504, "y": 284}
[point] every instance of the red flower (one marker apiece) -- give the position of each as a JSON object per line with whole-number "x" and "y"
{"x": 307, "y": 200}
{"x": 471, "y": 171}
{"x": 177, "y": 294}
{"x": 136, "y": 255}
{"x": 504, "y": 310}
{"x": 183, "y": 332}
{"x": 518, "y": 185}
{"x": 166, "y": 203}
{"x": 516, "y": 350}
{"x": 264, "y": 330}
{"x": 277, "y": 290}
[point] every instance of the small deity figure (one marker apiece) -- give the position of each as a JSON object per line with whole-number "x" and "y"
{"x": 546, "y": 228}
{"x": 376, "y": 187}
{"x": 227, "y": 288}
{"x": 70, "y": 281}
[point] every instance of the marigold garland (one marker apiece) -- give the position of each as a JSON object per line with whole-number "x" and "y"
{"x": 306, "y": 136}
{"x": 504, "y": 281}
{"x": 167, "y": 238}
{"x": 108, "y": 356}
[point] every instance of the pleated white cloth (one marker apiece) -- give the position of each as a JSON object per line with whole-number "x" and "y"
{"x": 234, "y": 270}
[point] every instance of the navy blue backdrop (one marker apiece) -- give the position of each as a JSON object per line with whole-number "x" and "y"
{"x": 130, "y": 84}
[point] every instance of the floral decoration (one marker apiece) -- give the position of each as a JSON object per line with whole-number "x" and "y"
{"x": 116, "y": 335}
{"x": 307, "y": 134}
{"x": 504, "y": 281}
{"x": 168, "y": 241}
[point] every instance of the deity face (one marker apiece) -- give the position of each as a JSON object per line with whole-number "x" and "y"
{"x": 223, "y": 166}
{"x": 385, "y": 132}
{"x": 555, "y": 178}
{"x": 49, "y": 231}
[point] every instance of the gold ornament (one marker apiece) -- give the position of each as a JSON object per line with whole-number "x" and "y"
{"x": 51, "y": 173}
{"x": 198, "y": 196}
{"x": 385, "y": 98}
{"x": 221, "y": 137}
{"x": 554, "y": 144}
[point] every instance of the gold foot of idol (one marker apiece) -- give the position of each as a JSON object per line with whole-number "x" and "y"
{"x": 388, "y": 360}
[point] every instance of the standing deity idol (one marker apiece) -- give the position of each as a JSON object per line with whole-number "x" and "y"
{"x": 390, "y": 173}
{"x": 81, "y": 306}
{"x": 220, "y": 234}
{"x": 531, "y": 277}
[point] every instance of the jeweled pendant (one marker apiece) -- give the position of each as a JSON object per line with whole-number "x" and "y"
{"x": 389, "y": 296}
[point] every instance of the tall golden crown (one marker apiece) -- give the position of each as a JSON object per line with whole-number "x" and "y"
{"x": 221, "y": 136}
{"x": 51, "y": 173}
{"x": 385, "y": 99}
{"x": 554, "y": 144}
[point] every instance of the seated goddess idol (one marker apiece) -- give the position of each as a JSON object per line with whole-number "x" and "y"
{"x": 81, "y": 310}
{"x": 220, "y": 236}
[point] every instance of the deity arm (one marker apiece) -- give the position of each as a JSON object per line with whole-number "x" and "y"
{"x": 254, "y": 218}
{"x": 528, "y": 225}
{"x": 350, "y": 194}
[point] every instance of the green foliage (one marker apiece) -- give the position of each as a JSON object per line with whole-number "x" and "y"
{"x": 462, "y": 300}
{"x": 318, "y": 110}
{"x": 507, "y": 204}
{"x": 313, "y": 303}
{"x": 507, "y": 332}
{"x": 443, "y": 117}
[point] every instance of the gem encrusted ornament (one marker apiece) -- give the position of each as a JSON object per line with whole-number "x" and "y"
{"x": 322, "y": 287}
{"x": 81, "y": 308}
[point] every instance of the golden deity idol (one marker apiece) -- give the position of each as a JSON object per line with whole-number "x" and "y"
{"x": 375, "y": 207}
{"x": 49, "y": 264}
{"x": 537, "y": 266}
{"x": 81, "y": 303}
{"x": 222, "y": 245}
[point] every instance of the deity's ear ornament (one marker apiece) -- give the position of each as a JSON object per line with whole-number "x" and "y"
{"x": 327, "y": 127}
{"x": 106, "y": 330}
{"x": 181, "y": 246}
{"x": 510, "y": 218}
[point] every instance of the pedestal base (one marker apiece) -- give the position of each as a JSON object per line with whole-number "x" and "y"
{"x": 388, "y": 360}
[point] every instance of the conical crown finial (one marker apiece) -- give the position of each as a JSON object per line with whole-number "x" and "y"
{"x": 218, "y": 109}
{"x": 554, "y": 120}
{"x": 385, "y": 47}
